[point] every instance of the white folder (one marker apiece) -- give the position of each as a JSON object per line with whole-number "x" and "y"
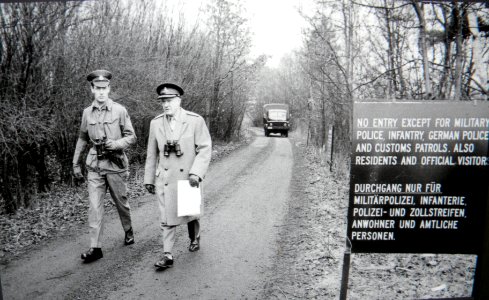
{"x": 189, "y": 199}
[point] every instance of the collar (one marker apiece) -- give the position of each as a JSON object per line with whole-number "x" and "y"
{"x": 178, "y": 115}
{"x": 107, "y": 105}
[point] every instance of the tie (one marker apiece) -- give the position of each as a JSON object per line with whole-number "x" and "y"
{"x": 171, "y": 121}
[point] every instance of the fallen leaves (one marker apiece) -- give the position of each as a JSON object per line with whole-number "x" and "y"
{"x": 56, "y": 211}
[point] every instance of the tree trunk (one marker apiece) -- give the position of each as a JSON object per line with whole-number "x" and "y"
{"x": 6, "y": 191}
{"x": 479, "y": 76}
{"x": 444, "y": 88}
{"x": 423, "y": 45}
{"x": 390, "y": 54}
{"x": 348, "y": 34}
{"x": 459, "y": 51}
{"x": 42, "y": 175}
{"x": 23, "y": 188}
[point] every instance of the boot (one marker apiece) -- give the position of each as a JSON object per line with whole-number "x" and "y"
{"x": 194, "y": 245}
{"x": 129, "y": 238}
{"x": 165, "y": 263}
{"x": 92, "y": 255}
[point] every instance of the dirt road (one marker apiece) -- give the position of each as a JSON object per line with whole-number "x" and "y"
{"x": 246, "y": 196}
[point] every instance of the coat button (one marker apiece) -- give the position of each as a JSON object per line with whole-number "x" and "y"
{"x": 166, "y": 184}
{"x": 166, "y": 169}
{"x": 181, "y": 170}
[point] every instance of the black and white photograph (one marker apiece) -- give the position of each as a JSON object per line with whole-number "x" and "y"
{"x": 244, "y": 149}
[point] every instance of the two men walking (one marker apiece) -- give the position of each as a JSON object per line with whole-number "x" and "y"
{"x": 179, "y": 148}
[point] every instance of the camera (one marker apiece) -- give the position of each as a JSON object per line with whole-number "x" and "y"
{"x": 172, "y": 146}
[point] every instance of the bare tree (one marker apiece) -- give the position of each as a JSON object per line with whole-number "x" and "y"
{"x": 423, "y": 46}
{"x": 47, "y": 49}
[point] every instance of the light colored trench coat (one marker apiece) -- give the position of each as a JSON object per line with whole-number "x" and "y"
{"x": 164, "y": 171}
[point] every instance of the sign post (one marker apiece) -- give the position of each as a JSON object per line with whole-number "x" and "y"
{"x": 419, "y": 177}
{"x": 481, "y": 279}
{"x": 346, "y": 271}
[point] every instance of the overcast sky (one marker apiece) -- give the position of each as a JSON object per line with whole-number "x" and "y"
{"x": 276, "y": 25}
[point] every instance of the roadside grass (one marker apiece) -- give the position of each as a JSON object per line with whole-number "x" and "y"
{"x": 313, "y": 240}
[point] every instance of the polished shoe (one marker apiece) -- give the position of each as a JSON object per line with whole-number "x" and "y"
{"x": 165, "y": 263}
{"x": 129, "y": 238}
{"x": 194, "y": 245}
{"x": 92, "y": 255}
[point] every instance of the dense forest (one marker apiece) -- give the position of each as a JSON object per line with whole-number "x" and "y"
{"x": 352, "y": 51}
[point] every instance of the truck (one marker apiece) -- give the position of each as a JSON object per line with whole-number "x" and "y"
{"x": 276, "y": 119}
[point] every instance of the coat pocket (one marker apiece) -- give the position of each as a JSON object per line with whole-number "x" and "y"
{"x": 113, "y": 128}
{"x": 94, "y": 130}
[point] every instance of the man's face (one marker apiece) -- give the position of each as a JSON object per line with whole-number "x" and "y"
{"x": 171, "y": 105}
{"x": 101, "y": 93}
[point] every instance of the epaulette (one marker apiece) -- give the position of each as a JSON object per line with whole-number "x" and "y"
{"x": 159, "y": 116}
{"x": 192, "y": 114}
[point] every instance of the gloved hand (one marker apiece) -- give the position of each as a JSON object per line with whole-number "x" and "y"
{"x": 112, "y": 145}
{"x": 77, "y": 172}
{"x": 193, "y": 180}
{"x": 150, "y": 188}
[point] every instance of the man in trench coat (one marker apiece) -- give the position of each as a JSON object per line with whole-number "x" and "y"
{"x": 187, "y": 159}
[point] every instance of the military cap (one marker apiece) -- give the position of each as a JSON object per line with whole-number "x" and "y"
{"x": 100, "y": 78}
{"x": 169, "y": 90}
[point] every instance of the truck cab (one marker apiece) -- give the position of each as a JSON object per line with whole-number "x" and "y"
{"x": 276, "y": 119}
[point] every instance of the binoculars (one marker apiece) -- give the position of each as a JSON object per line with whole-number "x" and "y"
{"x": 116, "y": 156}
{"x": 172, "y": 146}
{"x": 100, "y": 147}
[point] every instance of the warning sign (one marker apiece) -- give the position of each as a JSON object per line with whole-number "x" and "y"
{"x": 419, "y": 177}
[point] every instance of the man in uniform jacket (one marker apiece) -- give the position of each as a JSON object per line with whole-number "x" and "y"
{"x": 187, "y": 157}
{"x": 106, "y": 124}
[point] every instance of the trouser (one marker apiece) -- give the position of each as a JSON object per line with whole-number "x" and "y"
{"x": 169, "y": 234}
{"x": 97, "y": 188}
